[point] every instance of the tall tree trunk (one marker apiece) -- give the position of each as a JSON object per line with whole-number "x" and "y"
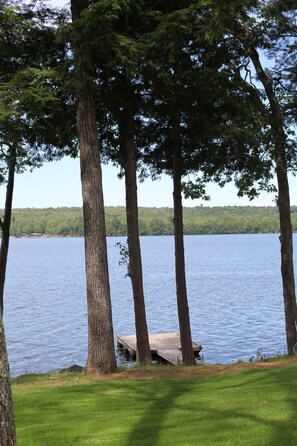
{"x": 286, "y": 237}
{"x": 7, "y": 427}
{"x": 286, "y": 240}
{"x": 6, "y": 222}
{"x": 101, "y": 351}
{"x": 180, "y": 274}
{"x": 135, "y": 265}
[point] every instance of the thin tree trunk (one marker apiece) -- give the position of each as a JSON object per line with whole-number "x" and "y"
{"x": 6, "y": 222}
{"x": 180, "y": 274}
{"x": 101, "y": 352}
{"x": 286, "y": 237}
{"x": 135, "y": 265}
{"x": 7, "y": 427}
{"x": 286, "y": 240}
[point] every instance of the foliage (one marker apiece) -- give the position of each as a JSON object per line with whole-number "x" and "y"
{"x": 36, "y": 114}
{"x": 124, "y": 255}
{"x": 62, "y": 222}
{"x": 213, "y": 405}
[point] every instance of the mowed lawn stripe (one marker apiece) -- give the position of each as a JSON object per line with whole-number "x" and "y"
{"x": 254, "y": 406}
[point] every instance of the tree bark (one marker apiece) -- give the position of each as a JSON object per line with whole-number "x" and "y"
{"x": 286, "y": 240}
{"x": 180, "y": 274}
{"x": 286, "y": 237}
{"x": 6, "y": 222}
{"x": 7, "y": 426}
{"x": 128, "y": 151}
{"x": 101, "y": 352}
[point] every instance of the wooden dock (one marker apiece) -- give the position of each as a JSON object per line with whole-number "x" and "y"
{"x": 164, "y": 346}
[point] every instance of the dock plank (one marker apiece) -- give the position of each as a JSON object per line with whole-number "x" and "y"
{"x": 171, "y": 355}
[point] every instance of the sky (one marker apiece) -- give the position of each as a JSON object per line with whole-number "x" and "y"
{"x": 57, "y": 184}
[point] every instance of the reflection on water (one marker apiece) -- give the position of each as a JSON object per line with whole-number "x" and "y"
{"x": 234, "y": 291}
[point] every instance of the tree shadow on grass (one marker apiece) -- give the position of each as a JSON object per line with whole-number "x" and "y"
{"x": 146, "y": 431}
{"x": 285, "y": 433}
{"x": 263, "y": 424}
{"x": 169, "y": 396}
{"x": 253, "y": 408}
{"x": 260, "y": 424}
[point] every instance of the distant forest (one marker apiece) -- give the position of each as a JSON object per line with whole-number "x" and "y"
{"x": 152, "y": 221}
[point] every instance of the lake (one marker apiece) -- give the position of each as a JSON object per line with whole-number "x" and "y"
{"x": 234, "y": 292}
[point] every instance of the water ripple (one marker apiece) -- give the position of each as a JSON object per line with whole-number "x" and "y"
{"x": 234, "y": 291}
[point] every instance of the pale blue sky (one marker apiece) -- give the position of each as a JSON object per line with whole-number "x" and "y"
{"x": 58, "y": 184}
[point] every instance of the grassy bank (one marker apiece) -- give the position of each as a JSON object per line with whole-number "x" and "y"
{"x": 245, "y": 404}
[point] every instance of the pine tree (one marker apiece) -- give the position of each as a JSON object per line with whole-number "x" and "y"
{"x": 252, "y": 29}
{"x": 101, "y": 353}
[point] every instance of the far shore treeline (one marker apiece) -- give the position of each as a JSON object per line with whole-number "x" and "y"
{"x": 68, "y": 221}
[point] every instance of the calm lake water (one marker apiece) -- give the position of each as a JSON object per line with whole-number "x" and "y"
{"x": 234, "y": 292}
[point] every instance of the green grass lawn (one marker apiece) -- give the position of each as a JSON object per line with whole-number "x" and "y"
{"x": 235, "y": 405}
